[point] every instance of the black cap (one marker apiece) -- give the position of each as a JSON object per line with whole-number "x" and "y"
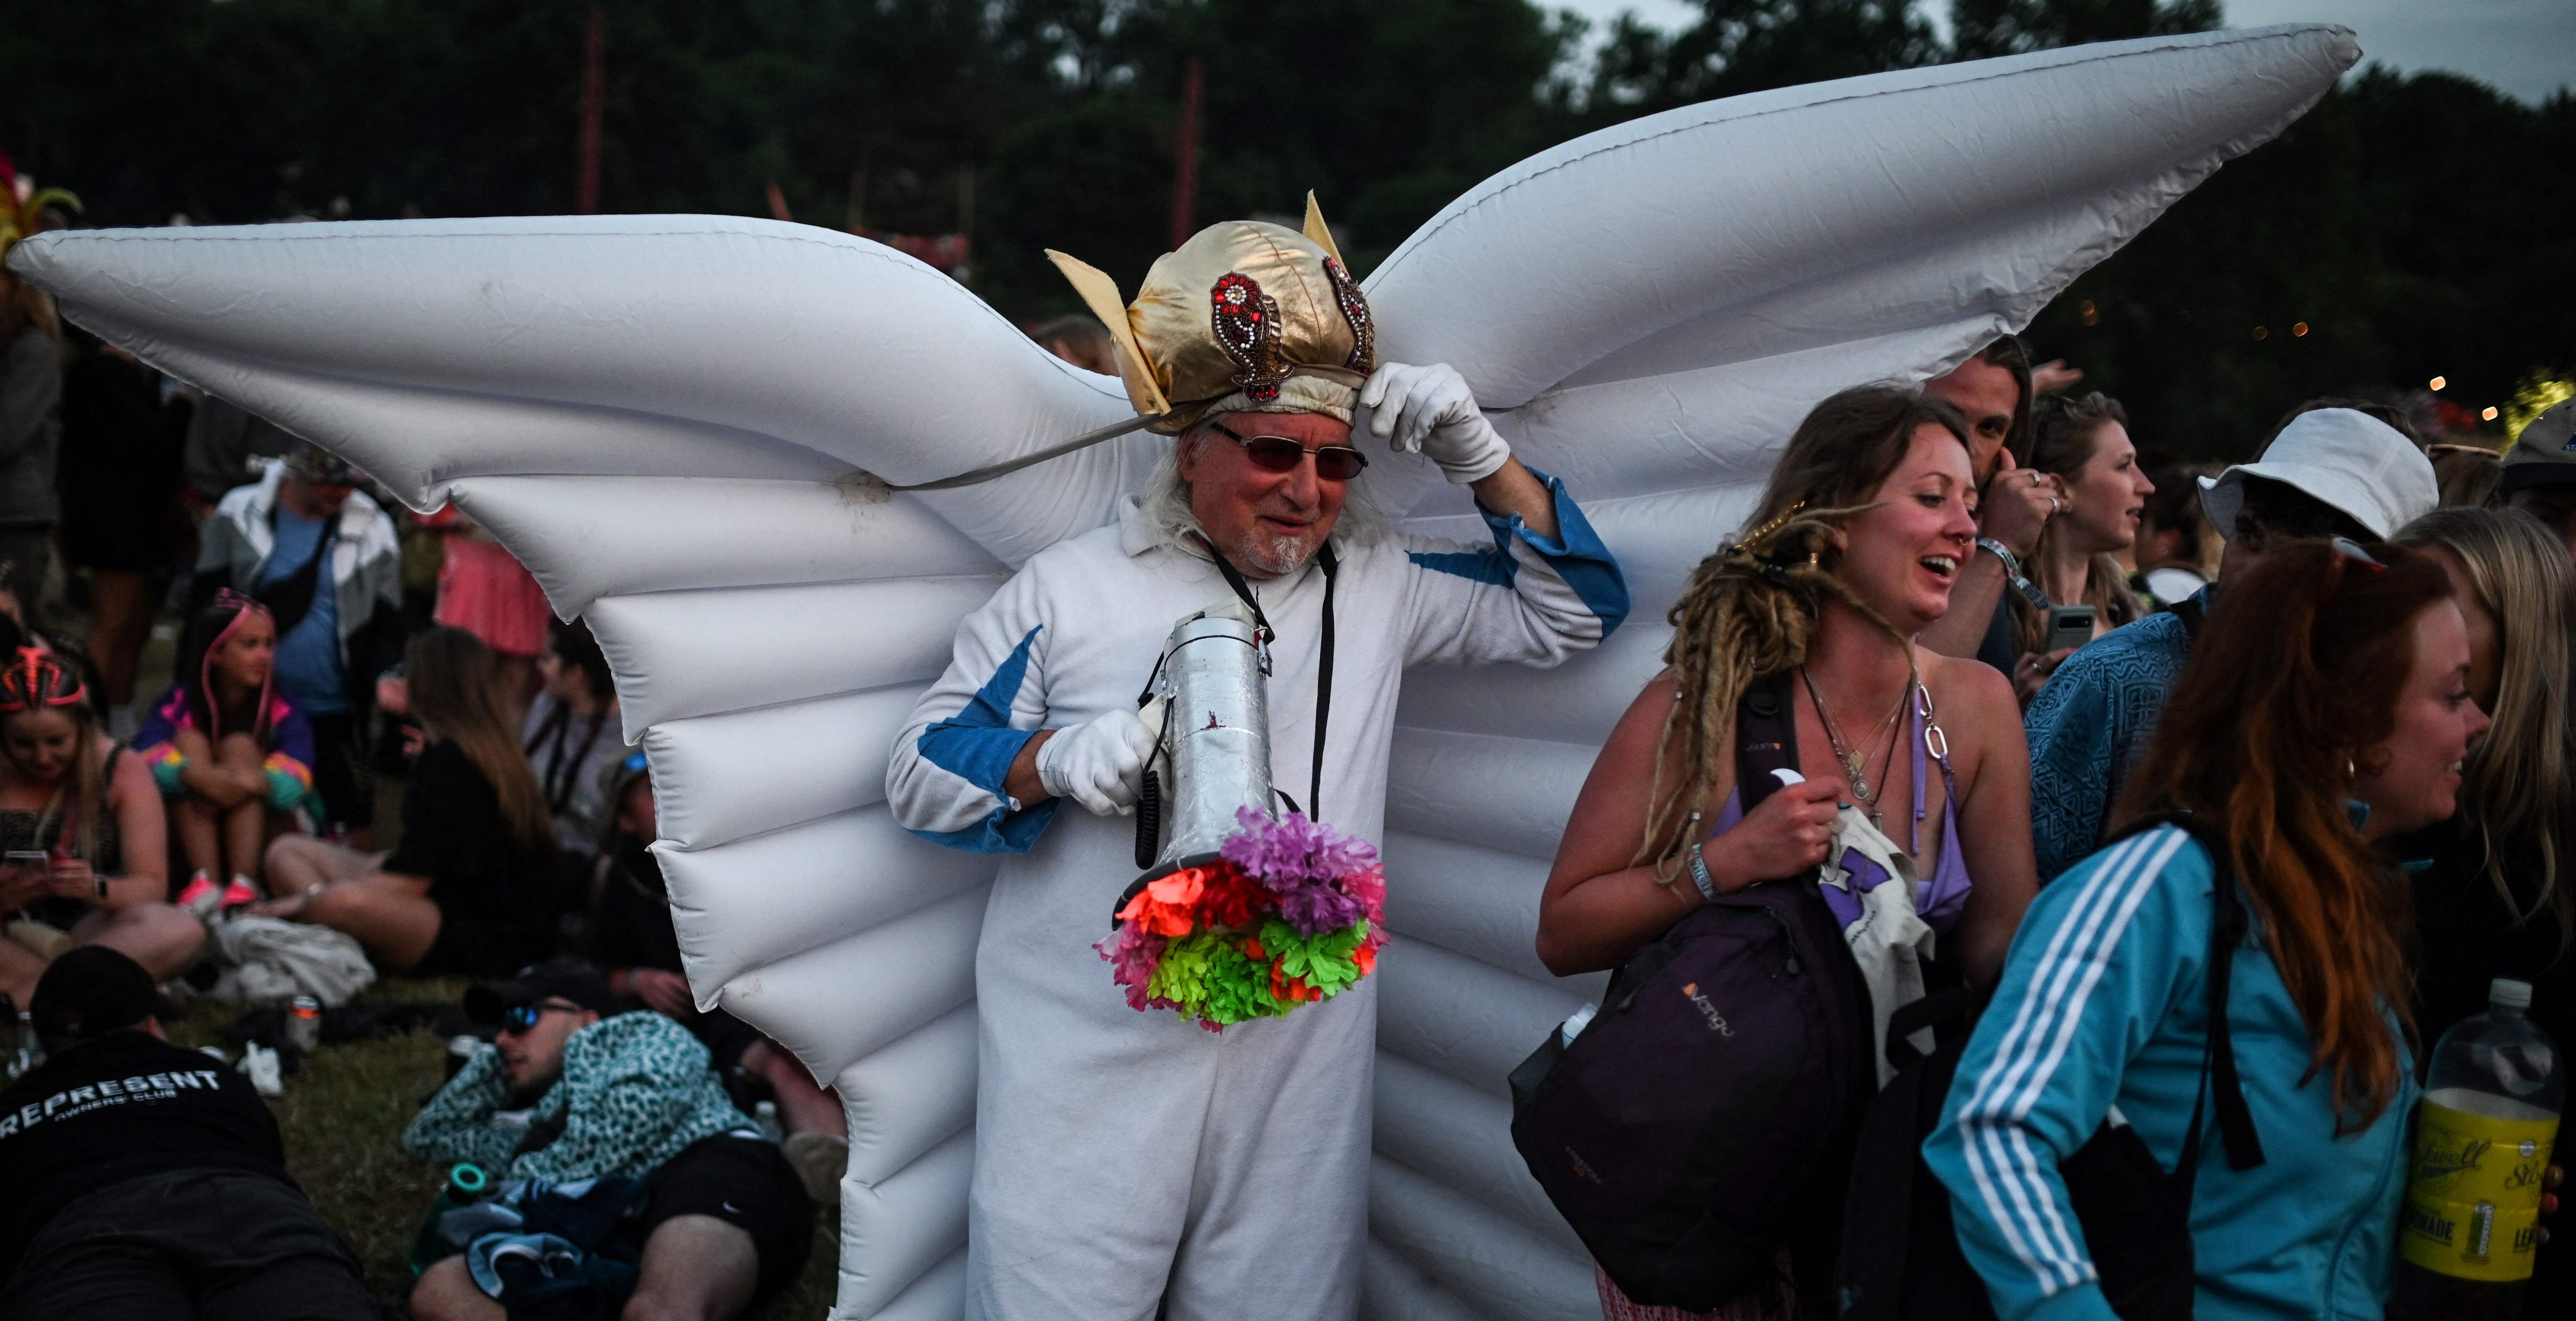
{"x": 2544, "y": 454}
{"x": 89, "y": 992}
{"x": 578, "y": 983}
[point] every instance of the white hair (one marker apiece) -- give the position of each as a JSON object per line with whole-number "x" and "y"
{"x": 1165, "y": 504}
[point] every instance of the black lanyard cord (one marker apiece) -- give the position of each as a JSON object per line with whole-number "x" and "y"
{"x": 1331, "y": 565}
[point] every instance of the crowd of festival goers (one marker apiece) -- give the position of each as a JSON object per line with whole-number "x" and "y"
{"x": 2348, "y": 660}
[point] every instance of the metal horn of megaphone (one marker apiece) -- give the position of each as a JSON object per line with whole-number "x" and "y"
{"x": 1211, "y": 715}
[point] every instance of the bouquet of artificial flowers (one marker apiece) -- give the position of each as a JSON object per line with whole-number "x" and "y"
{"x": 1289, "y": 912}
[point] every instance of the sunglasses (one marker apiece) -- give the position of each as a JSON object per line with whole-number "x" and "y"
{"x": 1333, "y": 463}
{"x": 517, "y": 1020}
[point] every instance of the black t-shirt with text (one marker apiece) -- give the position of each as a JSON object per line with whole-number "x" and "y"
{"x": 125, "y": 1105}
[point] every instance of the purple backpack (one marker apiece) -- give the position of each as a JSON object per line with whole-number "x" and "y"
{"x": 1706, "y": 1116}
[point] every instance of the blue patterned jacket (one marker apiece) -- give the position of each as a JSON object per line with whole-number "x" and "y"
{"x": 2090, "y": 725}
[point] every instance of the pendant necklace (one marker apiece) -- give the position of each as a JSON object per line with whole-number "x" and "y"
{"x": 1855, "y": 760}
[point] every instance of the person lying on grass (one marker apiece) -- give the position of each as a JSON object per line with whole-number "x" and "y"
{"x": 572, "y": 1089}
{"x": 138, "y": 1179}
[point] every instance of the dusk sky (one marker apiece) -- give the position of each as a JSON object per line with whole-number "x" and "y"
{"x": 2526, "y": 48}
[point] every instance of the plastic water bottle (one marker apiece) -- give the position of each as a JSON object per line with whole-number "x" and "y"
{"x": 2483, "y": 1139}
{"x": 467, "y": 1183}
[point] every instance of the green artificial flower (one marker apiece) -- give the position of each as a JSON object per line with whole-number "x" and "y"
{"x": 1324, "y": 962}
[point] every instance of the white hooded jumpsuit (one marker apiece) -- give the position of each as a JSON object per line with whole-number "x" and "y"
{"x": 1127, "y": 1160}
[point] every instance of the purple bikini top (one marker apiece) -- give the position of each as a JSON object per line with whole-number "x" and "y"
{"x": 1942, "y": 895}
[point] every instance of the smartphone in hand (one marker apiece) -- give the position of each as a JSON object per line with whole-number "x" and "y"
{"x": 2068, "y": 626}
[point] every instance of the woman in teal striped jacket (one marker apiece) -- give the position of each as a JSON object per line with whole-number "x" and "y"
{"x": 2326, "y": 708}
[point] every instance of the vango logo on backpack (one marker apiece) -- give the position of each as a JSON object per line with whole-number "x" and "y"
{"x": 1716, "y": 1020}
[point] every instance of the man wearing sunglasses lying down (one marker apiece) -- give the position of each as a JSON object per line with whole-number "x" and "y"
{"x": 1127, "y": 1161}
{"x": 572, "y": 1089}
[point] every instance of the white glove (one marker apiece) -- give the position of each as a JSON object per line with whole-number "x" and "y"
{"x": 1099, "y": 763}
{"x": 1430, "y": 411}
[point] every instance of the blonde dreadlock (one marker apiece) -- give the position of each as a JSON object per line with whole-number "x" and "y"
{"x": 1750, "y": 609}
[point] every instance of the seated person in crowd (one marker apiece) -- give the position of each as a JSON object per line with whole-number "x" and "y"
{"x": 138, "y": 1179}
{"x": 231, "y": 753}
{"x": 466, "y": 892}
{"x": 633, "y": 939}
{"x": 82, "y": 830}
{"x": 573, "y": 1089}
{"x": 573, "y": 737}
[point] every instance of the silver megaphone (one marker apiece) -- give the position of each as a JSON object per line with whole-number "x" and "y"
{"x": 1211, "y": 716}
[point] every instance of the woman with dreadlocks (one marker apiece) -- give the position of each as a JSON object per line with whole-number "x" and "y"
{"x": 1858, "y": 537}
{"x": 1853, "y": 551}
{"x": 81, "y": 824}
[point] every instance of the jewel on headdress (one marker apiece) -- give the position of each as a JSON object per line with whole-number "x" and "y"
{"x": 1246, "y": 322}
{"x": 1355, "y": 309}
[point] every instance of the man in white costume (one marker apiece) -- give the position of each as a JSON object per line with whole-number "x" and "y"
{"x": 1127, "y": 1161}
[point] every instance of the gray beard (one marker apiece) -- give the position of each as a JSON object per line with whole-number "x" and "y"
{"x": 1277, "y": 556}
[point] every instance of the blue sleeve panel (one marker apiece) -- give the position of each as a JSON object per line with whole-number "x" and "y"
{"x": 978, "y": 745}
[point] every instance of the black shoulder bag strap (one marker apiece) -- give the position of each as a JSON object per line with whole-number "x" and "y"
{"x": 1766, "y": 739}
{"x": 1331, "y": 565}
{"x": 290, "y": 598}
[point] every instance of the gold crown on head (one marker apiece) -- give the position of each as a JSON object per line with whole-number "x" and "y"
{"x": 1243, "y": 308}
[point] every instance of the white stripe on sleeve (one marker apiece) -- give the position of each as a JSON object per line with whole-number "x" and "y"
{"x": 2051, "y": 1011}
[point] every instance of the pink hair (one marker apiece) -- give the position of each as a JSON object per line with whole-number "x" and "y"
{"x": 245, "y": 608}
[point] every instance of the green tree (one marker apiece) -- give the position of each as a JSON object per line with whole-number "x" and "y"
{"x": 1741, "y": 46}
{"x": 1980, "y": 29}
{"x": 2414, "y": 225}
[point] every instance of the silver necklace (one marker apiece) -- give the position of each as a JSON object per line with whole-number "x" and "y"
{"x": 1855, "y": 760}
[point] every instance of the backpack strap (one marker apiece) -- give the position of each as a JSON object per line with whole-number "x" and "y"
{"x": 2219, "y": 1080}
{"x": 1766, "y": 738}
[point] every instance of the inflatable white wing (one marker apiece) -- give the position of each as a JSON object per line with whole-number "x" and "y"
{"x": 673, "y": 420}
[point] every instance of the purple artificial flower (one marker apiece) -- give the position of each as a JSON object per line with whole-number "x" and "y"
{"x": 1307, "y": 864}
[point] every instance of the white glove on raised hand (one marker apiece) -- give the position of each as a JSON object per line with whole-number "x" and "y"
{"x": 1099, "y": 763}
{"x": 1430, "y": 411}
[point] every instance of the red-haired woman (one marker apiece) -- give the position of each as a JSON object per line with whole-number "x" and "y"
{"x": 2326, "y": 709}
{"x": 80, "y": 823}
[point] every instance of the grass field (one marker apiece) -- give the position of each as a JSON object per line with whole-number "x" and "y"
{"x": 343, "y": 1117}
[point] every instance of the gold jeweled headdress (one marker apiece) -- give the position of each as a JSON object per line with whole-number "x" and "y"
{"x": 1244, "y": 315}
